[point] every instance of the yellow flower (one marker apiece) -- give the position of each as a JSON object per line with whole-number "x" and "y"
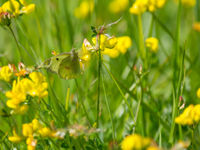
{"x": 123, "y": 43}
{"x": 17, "y": 95}
{"x": 36, "y": 125}
{"x": 31, "y": 143}
{"x": 153, "y": 148}
{"x": 189, "y": 116}
{"x": 154, "y": 4}
{"x": 113, "y": 53}
{"x": 28, "y": 9}
{"x": 21, "y": 109}
{"x": 152, "y": 44}
{"x": 198, "y": 93}
{"x": 15, "y": 138}
{"x": 23, "y": 2}
{"x": 27, "y": 129}
{"x": 111, "y": 42}
{"x": 189, "y": 3}
{"x": 140, "y": 6}
{"x": 38, "y": 86}
{"x": 135, "y": 141}
{"x": 45, "y": 132}
{"x": 117, "y": 6}
{"x": 11, "y": 6}
{"x": 85, "y": 8}
{"x": 5, "y": 73}
{"x": 196, "y": 26}
{"x": 113, "y": 46}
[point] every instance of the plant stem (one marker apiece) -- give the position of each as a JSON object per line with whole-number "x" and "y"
{"x": 176, "y": 85}
{"x": 84, "y": 109}
{"x": 141, "y": 42}
{"x": 121, "y": 92}
{"x": 13, "y": 34}
{"x": 99, "y": 79}
{"x": 107, "y": 105}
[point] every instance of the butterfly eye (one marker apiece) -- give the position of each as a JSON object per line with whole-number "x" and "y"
{"x": 57, "y": 58}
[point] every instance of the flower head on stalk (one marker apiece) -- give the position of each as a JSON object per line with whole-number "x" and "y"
{"x": 12, "y": 9}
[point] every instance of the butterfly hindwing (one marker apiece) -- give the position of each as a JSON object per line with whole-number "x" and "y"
{"x": 69, "y": 67}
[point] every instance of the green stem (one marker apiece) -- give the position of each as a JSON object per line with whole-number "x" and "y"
{"x": 82, "y": 103}
{"x": 151, "y": 27}
{"x": 99, "y": 80}
{"x": 107, "y": 105}
{"x": 176, "y": 86}
{"x": 141, "y": 41}
{"x": 121, "y": 92}
{"x": 15, "y": 38}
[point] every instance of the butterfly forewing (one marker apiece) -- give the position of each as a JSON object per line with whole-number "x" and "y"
{"x": 66, "y": 65}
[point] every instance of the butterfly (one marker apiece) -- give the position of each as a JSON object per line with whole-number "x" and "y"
{"x": 66, "y": 65}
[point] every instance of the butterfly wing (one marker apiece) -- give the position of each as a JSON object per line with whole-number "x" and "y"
{"x": 69, "y": 67}
{"x": 52, "y": 64}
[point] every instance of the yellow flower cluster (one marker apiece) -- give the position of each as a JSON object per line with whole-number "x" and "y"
{"x": 136, "y": 142}
{"x": 152, "y": 44}
{"x": 86, "y": 7}
{"x": 140, "y": 6}
{"x": 113, "y": 46}
{"x": 13, "y": 8}
{"x": 35, "y": 86}
{"x": 198, "y": 93}
{"x": 117, "y": 6}
{"x": 5, "y": 73}
{"x": 29, "y": 130}
{"x": 190, "y": 115}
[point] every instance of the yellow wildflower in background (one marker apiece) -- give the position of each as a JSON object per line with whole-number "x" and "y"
{"x": 86, "y": 7}
{"x": 196, "y": 26}
{"x": 189, "y": 3}
{"x": 31, "y": 143}
{"x": 140, "y": 6}
{"x": 22, "y": 109}
{"x": 198, "y": 93}
{"x": 31, "y": 130}
{"x": 5, "y": 73}
{"x": 117, "y": 6}
{"x": 152, "y": 44}
{"x": 45, "y": 132}
{"x": 190, "y": 115}
{"x": 15, "y": 138}
{"x": 36, "y": 125}
{"x": 153, "y": 148}
{"x": 123, "y": 43}
{"x": 136, "y": 142}
{"x": 27, "y": 129}
{"x": 154, "y": 4}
